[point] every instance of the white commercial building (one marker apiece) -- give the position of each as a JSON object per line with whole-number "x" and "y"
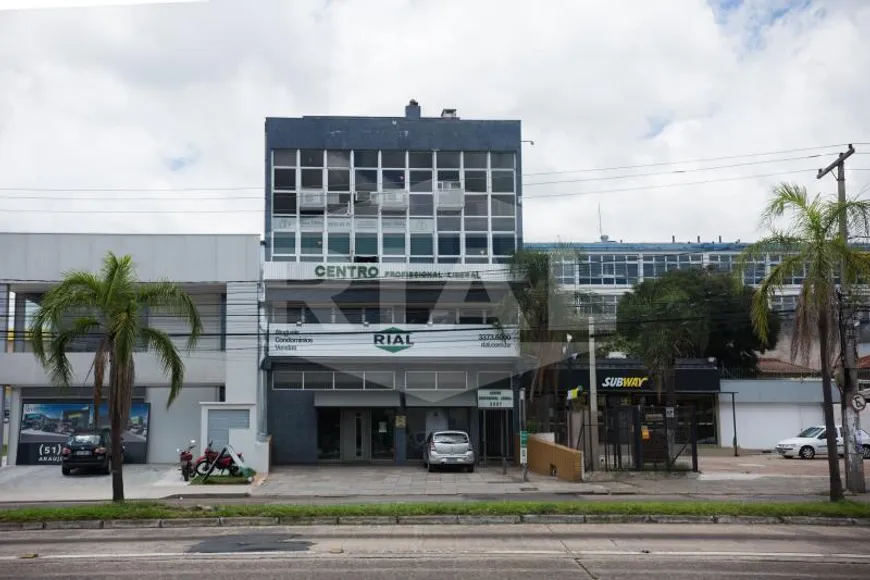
{"x": 219, "y": 398}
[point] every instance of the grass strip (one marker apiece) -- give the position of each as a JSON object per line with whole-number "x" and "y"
{"x": 151, "y": 510}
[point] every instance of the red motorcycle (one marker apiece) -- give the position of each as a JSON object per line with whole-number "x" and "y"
{"x": 210, "y": 455}
{"x": 185, "y": 459}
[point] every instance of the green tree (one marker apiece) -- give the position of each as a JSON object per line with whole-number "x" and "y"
{"x": 106, "y": 307}
{"x": 712, "y": 297}
{"x": 660, "y": 324}
{"x": 812, "y": 248}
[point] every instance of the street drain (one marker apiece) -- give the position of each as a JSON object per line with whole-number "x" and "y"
{"x": 250, "y": 543}
{"x": 528, "y": 489}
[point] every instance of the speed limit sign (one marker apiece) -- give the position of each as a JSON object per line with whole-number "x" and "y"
{"x": 859, "y": 403}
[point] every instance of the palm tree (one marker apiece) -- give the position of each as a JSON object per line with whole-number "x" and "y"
{"x": 547, "y": 317}
{"x": 811, "y": 247}
{"x": 106, "y": 307}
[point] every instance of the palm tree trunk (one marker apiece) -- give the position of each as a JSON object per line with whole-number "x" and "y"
{"x": 836, "y": 484}
{"x": 115, "y": 418}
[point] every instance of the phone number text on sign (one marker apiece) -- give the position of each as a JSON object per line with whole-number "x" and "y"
{"x": 49, "y": 453}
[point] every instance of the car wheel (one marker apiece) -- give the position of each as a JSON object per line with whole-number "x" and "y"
{"x": 866, "y": 450}
{"x": 807, "y": 452}
{"x": 429, "y": 467}
{"x": 470, "y": 469}
{"x": 65, "y": 470}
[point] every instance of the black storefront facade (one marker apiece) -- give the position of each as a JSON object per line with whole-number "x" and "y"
{"x": 627, "y": 383}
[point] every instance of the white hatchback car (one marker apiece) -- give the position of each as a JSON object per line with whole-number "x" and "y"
{"x": 812, "y": 441}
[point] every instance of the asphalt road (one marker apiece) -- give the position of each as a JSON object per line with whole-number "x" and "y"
{"x": 440, "y": 568}
{"x": 441, "y": 552}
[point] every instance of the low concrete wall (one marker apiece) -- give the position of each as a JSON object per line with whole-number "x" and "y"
{"x": 545, "y": 457}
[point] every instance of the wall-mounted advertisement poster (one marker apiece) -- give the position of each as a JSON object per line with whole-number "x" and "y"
{"x": 45, "y": 425}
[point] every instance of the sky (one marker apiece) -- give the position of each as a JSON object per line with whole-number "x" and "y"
{"x": 150, "y": 118}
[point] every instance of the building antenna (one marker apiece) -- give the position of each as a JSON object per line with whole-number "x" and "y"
{"x": 602, "y": 237}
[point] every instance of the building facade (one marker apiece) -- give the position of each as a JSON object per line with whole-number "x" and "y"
{"x": 218, "y": 400}
{"x": 386, "y": 240}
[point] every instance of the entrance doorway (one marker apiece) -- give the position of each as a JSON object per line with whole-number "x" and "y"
{"x": 367, "y": 435}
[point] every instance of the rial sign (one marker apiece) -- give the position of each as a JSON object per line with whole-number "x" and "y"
{"x": 410, "y": 340}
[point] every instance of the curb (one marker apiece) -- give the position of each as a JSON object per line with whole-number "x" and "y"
{"x": 445, "y": 520}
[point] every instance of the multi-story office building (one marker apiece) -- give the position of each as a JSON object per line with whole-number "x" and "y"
{"x": 386, "y": 239}
{"x": 606, "y": 270}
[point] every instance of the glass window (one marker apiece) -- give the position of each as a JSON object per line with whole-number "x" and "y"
{"x": 393, "y": 159}
{"x": 476, "y": 245}
{"x": 475, "y": 205}
{"x": 475, "y": 181}
{"x": 338, "y": 158}
{"x": 286, "y": 380}
{"x": 452, "y": 380}
{"x": 319, "y": 380}
{"x": 312, "y": 243}
{"x": 284, "y": 203}
{"x": 339, "y": 243}
{"x": 503, "y": 224}
{"x": 284, "y": 179}
{"x": 475, "y": 160}
{"x": 339, "y": 179}
{"x": 366, "y": 179}
{"x": 420, "y": 159}
{"x": 394, "y": 244}
{"x": 284, "y": 243}
{"x": 493, "y": 380}
{"x": 365, "y": 158}
{"x": 421, "y": 181}
{"x": 472, "y": 316}
{"x": 417, "y": 315}
{"x": 449, "y": 245}
{"x": 349, "y": 315}
{"x": 503, "y": 245}
{"x": 284, "y": 157}
{"x": 422, "y": 205}
{"x": 349, "y": 381}
{"x": 393, "y": 179}
{"x": 502, "y": 160}
{"x": 448, "y": 159}
{"x": 448, "y": 223}
{"x": 448, "y": 176}
{"x": 312, "y": 158}
{"x": 366, "y": 245}
{"x": 504, "y": 205}
{"x": 312, "y": 179}
{"x": 380, "y": 380}
{"x": 476, "y": 224}
{"x": 317, "y": 315}
{"x": 421, "y": 380}
{"x": 374, "y": 315}
{"x": 503, "y": 181}
{"x": 422, "y": 245}
{"x": 328, "y": 433}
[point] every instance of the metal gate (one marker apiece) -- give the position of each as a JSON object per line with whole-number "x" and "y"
{"x": 641, "y": 438}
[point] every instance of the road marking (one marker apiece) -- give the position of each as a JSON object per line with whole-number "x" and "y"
{"x": 800, "y": 556}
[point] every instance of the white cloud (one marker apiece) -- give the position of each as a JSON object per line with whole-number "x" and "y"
{"x": 115, "y": 97}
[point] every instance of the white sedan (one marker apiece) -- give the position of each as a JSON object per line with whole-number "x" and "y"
{"x": 812, "y": 441}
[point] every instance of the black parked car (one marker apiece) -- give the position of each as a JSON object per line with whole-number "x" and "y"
{"x": 87, "y": 450}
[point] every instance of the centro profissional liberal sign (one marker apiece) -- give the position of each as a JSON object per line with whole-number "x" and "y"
{"x": 362, "y": 272}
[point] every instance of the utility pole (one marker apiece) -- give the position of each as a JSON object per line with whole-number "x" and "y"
{"x": 850, "y": 419}
{"x": 593, "y": 398}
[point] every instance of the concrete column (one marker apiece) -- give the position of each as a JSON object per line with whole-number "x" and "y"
{"x": 241, "y": 342}
{"x": 14, "y": 423}
{"x": 400, "y": 443}
{"x": 4, "y": 314}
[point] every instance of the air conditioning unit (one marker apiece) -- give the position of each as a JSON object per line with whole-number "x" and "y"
{"x": 450, "y": 195}
{"x": 393, "y": 199}
{"x": 311, "y": 200}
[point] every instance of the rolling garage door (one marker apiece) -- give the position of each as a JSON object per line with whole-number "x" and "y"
{"x": 220, "y": 422}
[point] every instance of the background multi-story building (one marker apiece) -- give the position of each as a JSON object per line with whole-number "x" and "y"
{"x": 386, "y": 239}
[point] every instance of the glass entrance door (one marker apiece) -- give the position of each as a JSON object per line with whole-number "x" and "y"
{"x": 382, "y": 423}
{"x": 355, "y": 435}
